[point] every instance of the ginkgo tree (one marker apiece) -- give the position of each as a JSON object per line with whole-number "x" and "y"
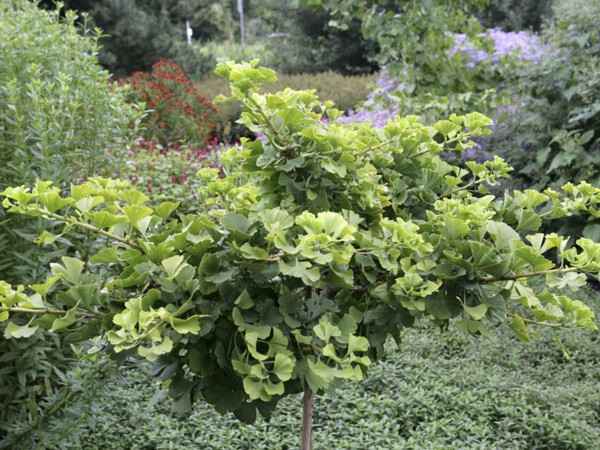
{"x": 317, "y": 244}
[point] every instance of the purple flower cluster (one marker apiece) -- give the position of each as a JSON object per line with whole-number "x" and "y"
{"x": 377, "y": 116}
{"x": 377, "y": 109}
{"x": 519, "y": 44}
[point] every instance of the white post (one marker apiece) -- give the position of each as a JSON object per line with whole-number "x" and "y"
{"x": 240, "y": 5}
{"x": 189, "y": 32}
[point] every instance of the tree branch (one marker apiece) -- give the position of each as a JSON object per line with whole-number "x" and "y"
{"x": 534, "y": 322}
{"x": 41, "y": 311}
{"x": 87, "y": 226}
{"x": 528, "y": 275}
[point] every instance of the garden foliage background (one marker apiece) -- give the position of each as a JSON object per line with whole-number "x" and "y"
{"x": 532, "y": 66}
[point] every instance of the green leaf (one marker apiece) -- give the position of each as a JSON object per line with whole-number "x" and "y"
{"x": 347, "y": 324}
{"x": 71, "y": 271}
{"x": 246, "y": 413}
{"x": 173, "y": 265}
{"x": 85, "y": 204}
{"x": 134, "y": 197}
{"x": 446, "y": 128}
{"x": 165, "y": 209}
{"x": 52, "y": 201}
{"x": 528, "y": 221}
{"x": 83, "y": 333}
{"x": 325, "y": 330}
{"x": 135, "y": 213}
{"x": 160, "y": 348}
{"x": 456, "y": 228}
{"x": 300, "y": 269}
{"x": 520, "y": 329}
{"x": 283, "y": 367}
{"x": 78, "y": 191}
{"x": 244, "y": 301}
{"x": 63, "y": 322}
{"x": 106, "y": 256}
{"x": 237, "y": 222}
{"x": 476, "y": 312}
{"x": 43, "y": 289}
{"x": 103, "y": 219}
{"x": 254, "y": 389}
{"x": 501, "y": 234}
{"x": 190, "y": 325}
{"x": 276, "y": 219}
{"x": 254, "y": 252}
{"x": 19, "y": 331}
{"x": 47, "y": 238}
{"x": 571, "y": 280}
{"x": 537, "y": 262}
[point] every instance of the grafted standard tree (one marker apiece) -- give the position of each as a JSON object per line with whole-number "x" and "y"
{"x": 316, "y": 246}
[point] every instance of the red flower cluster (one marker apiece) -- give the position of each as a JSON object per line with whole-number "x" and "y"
{"x": 178, "y": 112}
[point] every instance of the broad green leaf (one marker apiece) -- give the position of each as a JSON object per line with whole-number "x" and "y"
{"x": 52, "y": 201}
{"x": 47, "y": 238}
{"x": 190, "y": 325}
{"x": 253, "y": 252}
{"x": 237, "y": 222}
{"x": 85, "y": 204}
{"x": 456, "y": 228}
{"x": 106, "y": 256}
{"x": 153, "y": 351}
{"x": 283, "y": 367}
{"x": 300, "y": 269}
{"x": 446, "y": 128}
{"x": 347, "y": 324}
{"x": 325, "y": 330}
{"x": 536, "y": 261}
{"x": 78, "y": 191}
{"x": 501, "y": 233}
{"x": 528, "y": 221}
{"x": 173, "y": 265}
{"x": 276, "y": 219}
{"x": 135, "y": 213}
{"x": 63, "y": 322}
{"x": 43, "y": 289}
{"x": 357, "y": 344}
{"x": 244, "y": 301}
{"x": 134, "y": 197}
{"x": 83, "y": 333}
{"x": 71, "y": 271}
{"x": 103, "y": 219}
{"x": 165, "y": 209}
{"x": 19, "y": 331}
{"x": 254, "y": 389}
{"x": 520, "y": 329}
{"x": 571, "y": 280}
{"x": 476, "y": 312}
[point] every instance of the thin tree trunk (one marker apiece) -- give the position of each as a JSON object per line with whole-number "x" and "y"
{"x": 307, "y": 419}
